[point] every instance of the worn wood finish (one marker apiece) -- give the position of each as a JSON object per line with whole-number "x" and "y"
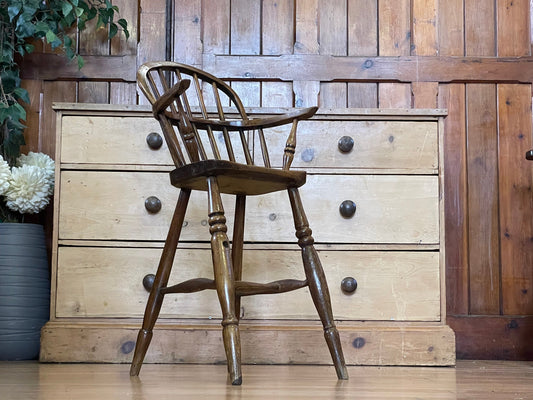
{"x": 209, "y": 172}
{"x": 470, "y": 379}
{"x": 516, "y": 201}
{"x": 410, "y": 278}
{"x": 363, "y": 343}
{"x": 483, "y": 224}
{"x": 459, "y": 41}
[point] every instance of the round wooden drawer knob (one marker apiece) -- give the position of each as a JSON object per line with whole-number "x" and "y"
{"x": 152, "y": 204}
{"x": 148, "y": 282}
{"x": 347, "y": 209}
{"x": 346, "y": 144}
{"x": 348, "y": 285}
{"x": 154, "y": 140}
{"x": 529, "y": 155}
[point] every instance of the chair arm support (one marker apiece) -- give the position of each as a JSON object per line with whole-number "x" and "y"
{"x": 169, "y": 96}
{"x": 256, "y": 123}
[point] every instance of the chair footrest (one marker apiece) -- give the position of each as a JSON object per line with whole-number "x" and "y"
{"x": 242, "y": 288}
{"x": 250, "y": 288}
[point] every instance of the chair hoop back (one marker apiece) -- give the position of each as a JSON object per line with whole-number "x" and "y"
{"x": 178, "y": 107}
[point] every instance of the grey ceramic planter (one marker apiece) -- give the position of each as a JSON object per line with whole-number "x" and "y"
{"x": 24, "y": 290}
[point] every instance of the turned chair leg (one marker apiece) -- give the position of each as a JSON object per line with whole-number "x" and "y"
{"x": 237, "y": 244}
{"x": 317, "y": 283}
{"x": 155, "y": 300}
{"x": 224, "y": 281}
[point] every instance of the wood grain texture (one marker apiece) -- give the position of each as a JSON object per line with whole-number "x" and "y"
{"x": 216, "y": 26}
{"x": 364, "y": 344}
{"x": 494, "y": 337}
{"x": 480, "y": 36}
{"x": 277, "y": 27}
{"x": 451, "y": 27}
{"x": 452, "y": 97}
{"x": 470, "y": 379}
{"x": 187, "y": 33}
{"x": 332, "y": 30}
{"x": 424, "y": 31}
{"x": 93, "y": 41}
{"x": 245, "y": 27}
{"x": 515, "y": 197}
{"x": 405, "y": 288}
{"x": 362, "y": 41}
{"x": 483, "y": 224}
{"x": 306, "y": 37}
{"x": 513, "y": 31}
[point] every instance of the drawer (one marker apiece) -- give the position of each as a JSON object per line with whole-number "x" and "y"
{"x": 389, "y": 209}
{"x": 401, "y": 145}
{"x": 106, "y": 282}
{"x": 110, "y": 140}
{"x": 116, "y": 140}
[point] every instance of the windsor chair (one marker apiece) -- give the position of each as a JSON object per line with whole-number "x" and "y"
{"x": 202, "y": 164}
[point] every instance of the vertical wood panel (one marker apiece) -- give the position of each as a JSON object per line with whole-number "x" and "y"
{"x": 394, "y": 95}
{"x": 362, "y": 95}
{"x": 425, "y": 94}
{"x": 31, "y": 133}
{"x": 276, "y": 94}
{"x": 394, "y": 27}
{"x": 482, "y": 167}
{"x": 513, "y": 28}
{"x": 516, "y": 198}
{"x": 187, "y": 32}
{"x": 306, "y": 93}
{"x": 452, "y": 97}
{"x": 424, "y": 27}
{"x": 278, "y": 27}
{"x": 52, "y": 92}
{"x": 245, "y": 27}
{"x": 483, "y": 228}
{"x": 333, "y": 41}
{"x": 362, "y": 41}
{"x": 121, "y": 92}
{"x": 216, "y": 26}
{"x": 151, "y": 36}
{"x": 479, "y": 32}
{"x": 249, "y": 92}
{"x": 424, "y": 38}
{"x": 93, "y": 41}
{"x": 333, "y": 27}
{"x": 394, "y": 40}
{"x": 451, "y": 28}
{"x": 306, "y": 27}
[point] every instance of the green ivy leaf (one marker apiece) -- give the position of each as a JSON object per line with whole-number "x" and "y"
{"x": 113, "y": 29}
{"x": 22, "y": 94}
{"x": 67, "y": 8}
{"x": 50, "y": 36}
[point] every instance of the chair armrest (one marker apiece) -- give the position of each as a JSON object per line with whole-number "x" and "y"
{"x": 169, "y": 96}
{"x": 256, "y": 123}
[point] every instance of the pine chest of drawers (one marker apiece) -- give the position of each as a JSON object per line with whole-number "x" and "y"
{"x": 374, "y": 201}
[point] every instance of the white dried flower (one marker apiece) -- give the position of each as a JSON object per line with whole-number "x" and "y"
{"x": 40, "y": 160}
{"x": 28, "y": 191}
{"x": 5, "y": 175}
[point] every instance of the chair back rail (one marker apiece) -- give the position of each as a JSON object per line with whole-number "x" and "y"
{"x": 187, "y": 141}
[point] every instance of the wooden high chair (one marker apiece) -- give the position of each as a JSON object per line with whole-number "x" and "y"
{"x": 201, "y": 164}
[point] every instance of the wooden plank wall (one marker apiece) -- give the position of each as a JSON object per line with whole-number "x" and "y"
{"x": 471, "y": 57}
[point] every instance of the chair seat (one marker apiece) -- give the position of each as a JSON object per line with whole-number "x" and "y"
{"x": 235, "y": 178}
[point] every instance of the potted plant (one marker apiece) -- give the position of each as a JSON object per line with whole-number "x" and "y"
{"x": 26, "y": 181}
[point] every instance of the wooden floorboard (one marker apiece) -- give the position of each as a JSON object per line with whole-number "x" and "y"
{"x": 468, "y": 380}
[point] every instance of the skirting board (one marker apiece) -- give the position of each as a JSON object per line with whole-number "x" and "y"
{"x": 362, "y": 345}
